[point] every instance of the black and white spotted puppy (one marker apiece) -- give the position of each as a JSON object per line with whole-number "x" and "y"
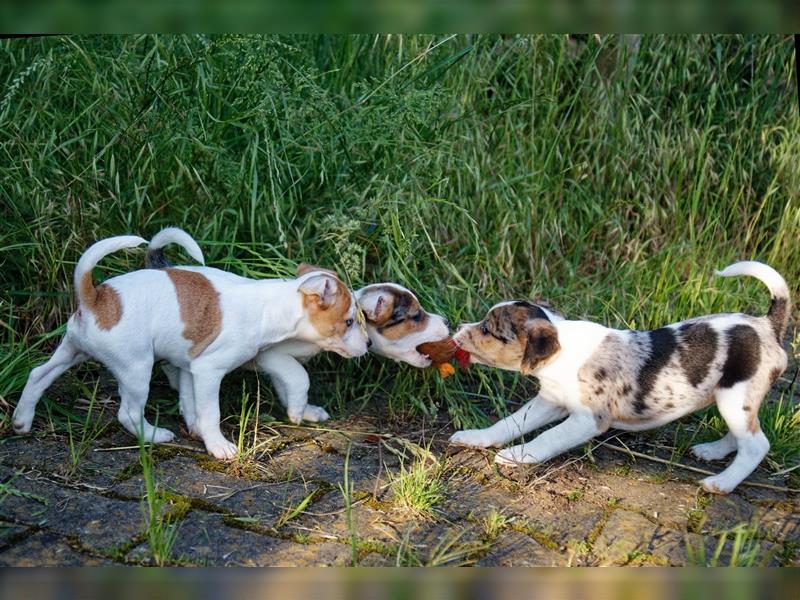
{"x": 600, "y": 378}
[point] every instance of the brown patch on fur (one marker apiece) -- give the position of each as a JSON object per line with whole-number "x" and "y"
{"x": 753, "y": 424}
{"x": 541, "y": 345}
{"x": 199, "y": 305}
{"x": 103, "y": 301}
{"x": 399, "y": 314}
{"x": 774, "y": 374}
{"x": 304, "y": 268}
{"x": 329, "y": 320}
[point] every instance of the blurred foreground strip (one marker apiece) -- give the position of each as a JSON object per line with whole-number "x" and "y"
{"x": 396, "y": 584}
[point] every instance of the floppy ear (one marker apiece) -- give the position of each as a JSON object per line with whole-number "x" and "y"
{"x": 541, "y": 343}
{"x": 377, "y": 306}
{"x": 304, "y": 268}
{"x": 323, "y": 287}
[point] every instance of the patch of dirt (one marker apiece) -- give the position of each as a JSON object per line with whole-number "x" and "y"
{"x": 286, "y": 504}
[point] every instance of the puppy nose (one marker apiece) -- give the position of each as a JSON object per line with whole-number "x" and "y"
{"x": 447, "y": 322}
{"x": 369, "y": 343}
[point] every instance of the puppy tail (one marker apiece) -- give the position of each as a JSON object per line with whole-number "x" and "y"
{"x": 171, "y": 235}
{"x": 778, "y": 313}
{"x": 84, "y": 286}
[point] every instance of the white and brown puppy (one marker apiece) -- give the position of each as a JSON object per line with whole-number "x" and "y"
{"x": 600, "y": 378}
{"x": 205, "y": 322}
{"x": 396, "y": 324}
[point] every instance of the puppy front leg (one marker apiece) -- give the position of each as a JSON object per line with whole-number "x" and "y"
{"x": 536, "y": 413}
{"x": 206, "y": 404}
{"x": 577, "y": 429}
{"x": 292, "y": 383}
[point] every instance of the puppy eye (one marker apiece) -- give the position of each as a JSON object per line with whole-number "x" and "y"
{"x": 417, "y": 317}
{"x": 349, "y": 323}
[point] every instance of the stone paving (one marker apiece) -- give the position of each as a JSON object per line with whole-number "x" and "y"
{"x": 285, "y": 505}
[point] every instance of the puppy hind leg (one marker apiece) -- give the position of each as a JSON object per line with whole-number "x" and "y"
{"x": 41, "y": 378}
{"x": 534, "y": 414}
{"x": 575, "y": 430}
{"x": 173, "y": 375}
{"x": 715, "y": 450}
{"x": 751, "y": 443}
{"x": 134, "y": 387}
{"x": 186, "y": 401}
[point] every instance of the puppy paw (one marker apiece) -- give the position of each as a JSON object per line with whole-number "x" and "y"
{"x": 510, "y": 457}
{"x": 474, "y": 438}
{"x": 161, "y": 436}
{"x": 717, "y": 485}
{"x": 22, "y": 425}
{"x": 315, "y": 414}
{"x": 711, "y": 450}
{"x": 222, "y": 449}
{"x": 514, "y": 457}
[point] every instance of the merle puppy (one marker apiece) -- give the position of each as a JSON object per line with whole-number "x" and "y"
{"x": 596, "y": 378}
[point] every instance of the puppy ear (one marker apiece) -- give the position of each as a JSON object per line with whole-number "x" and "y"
{"x": 377, "y": 306}
{"x": 324, "y": 287}
{"x": 541, "y": 343}
{"x": 304, "y": 268}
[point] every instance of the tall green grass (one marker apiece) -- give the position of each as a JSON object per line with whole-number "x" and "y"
{"x": 470, "y": 168}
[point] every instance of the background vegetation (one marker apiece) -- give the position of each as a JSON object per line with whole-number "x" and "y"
{"x": 610, "y": 179}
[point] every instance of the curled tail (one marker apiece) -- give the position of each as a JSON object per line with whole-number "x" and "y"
{"x": 171, "y": 235}
{"x": 778, "y": 313}
{"x": 84, "y": 286}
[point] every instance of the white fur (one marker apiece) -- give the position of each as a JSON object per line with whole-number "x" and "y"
{"x": 764, "y": 273}
{"x": 257, "y": 317}
{"x": 173, "y": 235}
{"x": 100, "y": 249}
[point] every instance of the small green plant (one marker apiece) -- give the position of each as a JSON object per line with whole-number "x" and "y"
{"x": 162, "y": 526}
{"x": 292, "y": 511}
{"x": 574, "y": 495}
{"x": 450, "y": 551}
{"x": 739, "y": 546}
{"x": 419, "y": 488}
{"x": 91, "y": 428}
{"x": 346, "y": 487}
{"x": 493, "y": 523}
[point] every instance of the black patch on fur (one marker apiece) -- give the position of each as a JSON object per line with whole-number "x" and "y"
{"x": 697, "y": 349}
{"x": 534, "y": 312}
{"x": 600, "y": 374}
{"x": 155, "y": 259}
{"x": 746, "y": 408}
{"x": 744, "y": 354}
{"x": 626, "y": 389}
{"x": 662, "y": 346}
{"x": 777, "y": 316}
{"x": 540, "y": 347}
{"x": 403, "y": 302}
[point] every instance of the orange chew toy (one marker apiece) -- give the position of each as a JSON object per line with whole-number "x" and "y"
{"x": 441, "y": 353}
